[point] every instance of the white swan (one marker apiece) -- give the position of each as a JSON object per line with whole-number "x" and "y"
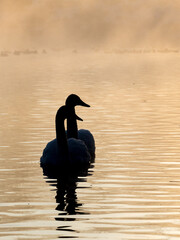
{"x": 62, "y": 152}
{"x": 72, "y": 130}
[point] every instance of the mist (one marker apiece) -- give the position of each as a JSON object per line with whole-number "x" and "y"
{"x": 89, "y": 24}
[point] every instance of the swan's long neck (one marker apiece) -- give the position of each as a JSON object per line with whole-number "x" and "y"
{"x": 61, "y": 137}
{"x": 72, "y": 129}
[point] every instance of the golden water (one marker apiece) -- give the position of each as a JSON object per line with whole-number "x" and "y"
{"x": 133, "y": 190}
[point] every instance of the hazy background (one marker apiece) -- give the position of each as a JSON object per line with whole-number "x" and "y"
{"x": 89, "y": 24}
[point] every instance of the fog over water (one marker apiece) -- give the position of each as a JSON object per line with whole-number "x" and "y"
{"x": 89, "y": 24}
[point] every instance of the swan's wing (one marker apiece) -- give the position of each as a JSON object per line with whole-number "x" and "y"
{"x": 87, "y": 137}
{"x": 78, "y": 152}
{"x": 50, "y": 154}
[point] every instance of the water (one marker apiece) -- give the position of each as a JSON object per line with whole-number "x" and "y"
{"x": 132, "y": 190}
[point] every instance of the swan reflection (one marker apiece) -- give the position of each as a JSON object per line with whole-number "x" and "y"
{"x": 68, "y": 205}
{"x": 66, "y": 185}
{"x": 66, "y": 196}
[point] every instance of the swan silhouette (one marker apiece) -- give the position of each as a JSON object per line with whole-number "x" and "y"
{"x": 72, "y": 129}
{"x": 63, "y": 152}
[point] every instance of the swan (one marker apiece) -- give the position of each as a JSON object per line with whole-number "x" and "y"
{"x": 61, "y": 151}
{"x": 72, "y": 130}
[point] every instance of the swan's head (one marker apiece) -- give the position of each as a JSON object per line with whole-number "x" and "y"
{"x": 63, "y": 114}
{"x": 74, "y": 100}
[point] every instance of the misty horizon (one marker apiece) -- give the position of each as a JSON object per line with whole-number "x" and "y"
{"x": 90, "y": 24}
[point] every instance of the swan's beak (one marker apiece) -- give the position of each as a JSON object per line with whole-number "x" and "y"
{"x": 81, "y": 103}
{"x": 78, "y": 118}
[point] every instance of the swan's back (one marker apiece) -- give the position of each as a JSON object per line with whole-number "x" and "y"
{"x": 78, "y": 154}
{"x": 50, "y": 154}
{"x": 87, "y": 137}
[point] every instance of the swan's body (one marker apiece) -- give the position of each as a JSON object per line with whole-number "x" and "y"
{"x": 87, "y": 137}
{"x": 72, "y": 129}
{"x": 78, "y": 153}
{"x": 82, "y": 134}
{"x": 63, "y": 152}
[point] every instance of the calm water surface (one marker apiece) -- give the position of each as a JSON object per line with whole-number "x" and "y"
{"x": 132, "y": 190}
